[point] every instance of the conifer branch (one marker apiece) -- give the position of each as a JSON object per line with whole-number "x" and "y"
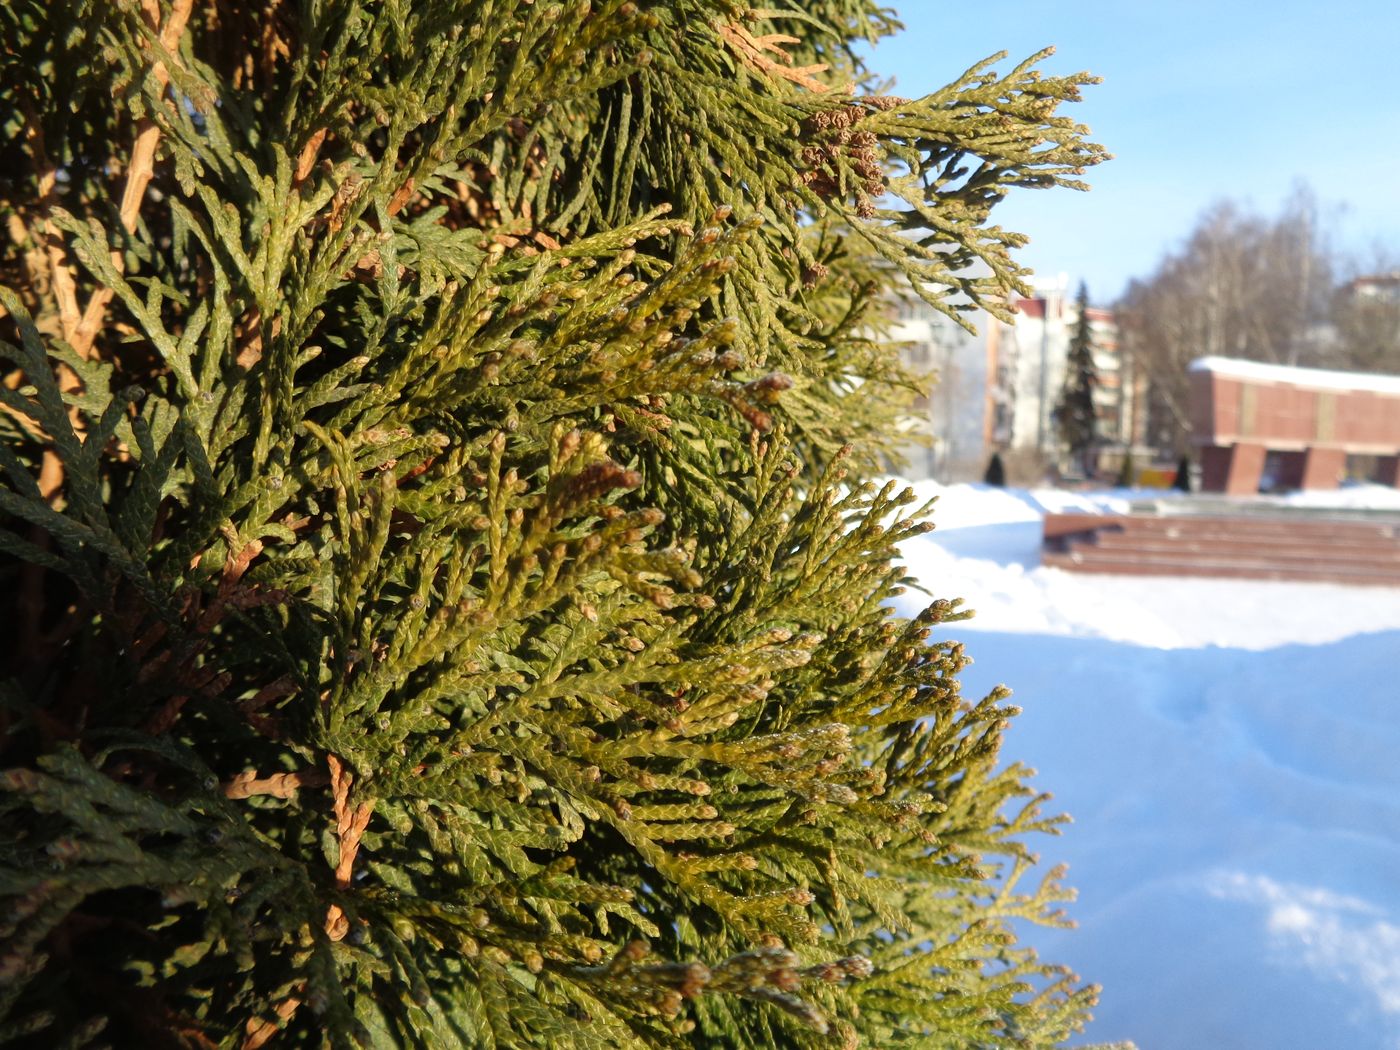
{"x": 496, "y": 395}
{"x": 139, "y": 170}
{"x": 64, "y": 290}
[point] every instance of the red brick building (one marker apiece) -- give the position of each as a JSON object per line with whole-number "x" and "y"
{"x": 1273, "y": 426}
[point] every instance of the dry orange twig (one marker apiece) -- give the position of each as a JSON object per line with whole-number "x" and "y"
{"x": 307, "y": 158}
{"x": 257, "y": 1033}
{"x": 80, "y": 328}
{"x": 60, "y": 276}
{"x": 65, "y": 290}
{"x": 279, "y": 785}
{"x": 751, "y": 51}
{"x": 350, "y": 825}
{"x": 139, "y": 171}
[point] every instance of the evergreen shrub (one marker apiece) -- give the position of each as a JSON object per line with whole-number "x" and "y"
{"x": 444, "y": 599}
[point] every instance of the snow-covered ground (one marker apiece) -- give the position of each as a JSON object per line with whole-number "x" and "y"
{"x": 1230, "y": 751}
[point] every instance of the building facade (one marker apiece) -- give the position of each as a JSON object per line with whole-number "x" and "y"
{"x": 997, "y": 390}
{"x": 948, "y": 434}
{"x": 1263, "y": 427}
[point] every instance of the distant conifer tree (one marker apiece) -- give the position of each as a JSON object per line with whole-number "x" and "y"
{"x": 442, "y": 602}
{"x": 1077, "y": 420}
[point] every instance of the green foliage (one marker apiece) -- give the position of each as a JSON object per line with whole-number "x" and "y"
{"x": 446, "y": 605}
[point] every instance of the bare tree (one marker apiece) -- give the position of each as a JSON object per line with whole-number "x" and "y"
{"x": 1241, "y": 285}
{"x": 1366, "y": 312}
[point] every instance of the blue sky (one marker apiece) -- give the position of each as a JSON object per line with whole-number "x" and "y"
{"x": 1199, "y": 101}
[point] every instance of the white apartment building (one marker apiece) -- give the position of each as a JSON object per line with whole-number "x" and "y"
{"x": 952, "y": 419}
{"x": 997, "y": 390}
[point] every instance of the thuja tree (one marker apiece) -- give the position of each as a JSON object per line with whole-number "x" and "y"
{"x": 443, "y": 604}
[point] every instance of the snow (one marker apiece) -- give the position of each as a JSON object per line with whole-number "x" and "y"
{"x": 1230, "y": 751}
{"x": 986, "y": 549}
{"x": 1315, "y": 378}
{"x": 1365, "y": 497}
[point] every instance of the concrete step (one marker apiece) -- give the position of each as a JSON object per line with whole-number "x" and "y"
{"x": 1230, "y": 535}
{"x": 1382, "y": 553}
{"x": 1358, "y": 553}
{"x": 1312, "y": 531}
{"x": 1317, "y": 572}
{"x": 1224, "y": 528}
{"x": 1085, "y": 552}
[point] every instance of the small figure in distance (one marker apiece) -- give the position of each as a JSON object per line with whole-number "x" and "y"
{"x": 996, "y": 472}
{"x": 1183, "y": 475}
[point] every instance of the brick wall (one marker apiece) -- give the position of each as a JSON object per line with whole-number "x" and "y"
{"x": 1312, "y": 423}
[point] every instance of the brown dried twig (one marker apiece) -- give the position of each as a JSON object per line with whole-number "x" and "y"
{"x": 139, "y": 171}
{"x": 65, "y": 291}
{"x": 350, "y": 826}
{"x": 257, "y": 1033}
{"x": 279, "y": 785}
{"x": 79, "y": 329}
{"x": 751, "y": 51}
{"x": 306, "y": 160}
